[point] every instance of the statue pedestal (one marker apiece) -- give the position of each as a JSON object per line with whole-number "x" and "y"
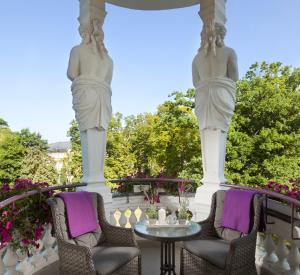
{"x": 93, "y": 146}
{"x": 104, "y": 191}
{"x": 213, "y": 145}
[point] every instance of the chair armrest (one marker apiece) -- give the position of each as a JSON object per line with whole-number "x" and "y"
{"x": 75, "y": 258}
{"x": 119, "y": 236}
{"x": 241, "y": 251}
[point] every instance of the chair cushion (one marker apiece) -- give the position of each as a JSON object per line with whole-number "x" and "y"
{"x": 214, "y": 250}
{"x": 109, "y": 259}
{"x": 89, "y": 239}
{"x": 224, "y": 233}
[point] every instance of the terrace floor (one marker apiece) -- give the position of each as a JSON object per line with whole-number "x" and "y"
{"x": 150, "y": 260}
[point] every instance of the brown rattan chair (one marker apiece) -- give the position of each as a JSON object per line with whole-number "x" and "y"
{"x": 109, "y": 250}
{"x": 218, "y": 250}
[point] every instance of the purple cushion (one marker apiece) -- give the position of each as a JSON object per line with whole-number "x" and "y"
{"x": 80, "y": 212}
{"x": 238, "y": 210}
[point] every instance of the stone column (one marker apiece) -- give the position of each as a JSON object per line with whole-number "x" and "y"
{"x": 90, "y": 70}
{"x": 214, "y": 76}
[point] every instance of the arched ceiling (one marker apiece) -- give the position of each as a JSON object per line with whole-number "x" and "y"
{"x": 153, "y": 4}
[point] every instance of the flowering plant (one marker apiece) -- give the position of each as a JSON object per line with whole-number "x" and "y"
{"x": 152, "y": 194}
{"x": 22, "y": 222}
{"x": 183, "y": 211}
{"x": 291, "y": 188}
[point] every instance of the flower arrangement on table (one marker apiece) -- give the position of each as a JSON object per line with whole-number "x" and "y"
{"x": 22, "y": 223}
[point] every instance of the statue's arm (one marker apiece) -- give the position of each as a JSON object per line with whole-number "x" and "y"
{"x": 232, "y": 66}
{"x": 195, "y": 73}
{"x": 73, "y": 68}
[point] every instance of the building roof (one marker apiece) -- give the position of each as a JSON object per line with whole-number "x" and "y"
{"x": 62, "y": 146}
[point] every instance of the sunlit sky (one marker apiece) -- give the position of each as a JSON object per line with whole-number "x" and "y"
{"x": 152, "y": 53}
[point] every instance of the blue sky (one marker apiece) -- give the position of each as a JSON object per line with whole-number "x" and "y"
{"x": 152, "y": 53}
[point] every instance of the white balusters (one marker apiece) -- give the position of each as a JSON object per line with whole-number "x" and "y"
{"x": 133, "y": 218}
{"x": 282, "y": 252}
{"x": 123, "y": 219}
{"x": 49, "y": 253}
{"x": 117, "y": 216}
{"x": 24, "y": 266}
{"x": 10, "y": 261}
{"x": 294, "y": 259}
{"x": 138, "y": 214}
{"x": 270, "y": 257}
{"x": 37, "y": 258}
{"x": 127, "y": 218}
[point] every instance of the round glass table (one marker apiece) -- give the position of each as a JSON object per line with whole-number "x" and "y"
{"x": 167, "y": 237}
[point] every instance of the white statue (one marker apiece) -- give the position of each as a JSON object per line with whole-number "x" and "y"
{"x": 90, "y": 70}
{"x": 214, "y": 75}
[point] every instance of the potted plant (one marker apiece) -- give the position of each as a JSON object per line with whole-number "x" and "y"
{"x": 183, "y": 213}
{"x": 152, "y": 214}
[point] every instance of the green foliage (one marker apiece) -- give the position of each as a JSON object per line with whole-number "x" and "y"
{"x": 152, "y": 212}
{"x": 75, "y": 158}
{"x": 11, "y": 155}
{"x": 39, "y": 167}
{"x": 3, "y": 123}
{"x": 32, "y": 140}
{"x": 119, "y": 160}
{"x": 264, "y": 137}
{"x": 16, "y": 149}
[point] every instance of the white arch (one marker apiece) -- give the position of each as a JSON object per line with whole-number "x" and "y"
{"x": 153, "y": 4}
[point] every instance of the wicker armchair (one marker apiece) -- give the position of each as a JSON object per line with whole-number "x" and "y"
{"x": 110, "y": 250}
{"x": 218, "y": 250}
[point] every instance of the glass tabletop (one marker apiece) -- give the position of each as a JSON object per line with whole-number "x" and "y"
{"x": 166, "y": 233}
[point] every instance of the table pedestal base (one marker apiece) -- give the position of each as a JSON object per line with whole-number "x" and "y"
{"x": 167, "y": 257}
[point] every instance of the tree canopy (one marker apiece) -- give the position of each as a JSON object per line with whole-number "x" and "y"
{"x": 263, "y": 140}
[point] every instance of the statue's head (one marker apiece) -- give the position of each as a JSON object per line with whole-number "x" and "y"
{"x": 85, "y": 32}
{"x": 212, "y": 35}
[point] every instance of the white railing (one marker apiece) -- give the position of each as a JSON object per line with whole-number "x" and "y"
{"x": 126, "y": 211}
{"x": 277, "y": 251}
{"x": 17, "y": 263}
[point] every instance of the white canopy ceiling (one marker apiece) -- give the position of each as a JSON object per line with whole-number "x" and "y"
{"x": 153, "y": 4}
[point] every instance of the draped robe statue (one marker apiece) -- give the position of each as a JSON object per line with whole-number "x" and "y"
{"x": 90, "y": 70}
{"x": 214, "y": 75}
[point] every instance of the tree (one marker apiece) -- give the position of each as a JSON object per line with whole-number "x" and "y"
{"x": 75, "y": 160}
{"x": 30, "y": 140}
{"x": 119, "y": 160}
{"x": 3, "y": 123}
{"x": 11, "y": 154}
{"x": 264, "y": 137}
{"x": 38, "y": 166}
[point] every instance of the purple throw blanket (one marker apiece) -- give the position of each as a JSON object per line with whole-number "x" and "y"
{"x": 237, "y": 213}
{"x": 81, "y": 214}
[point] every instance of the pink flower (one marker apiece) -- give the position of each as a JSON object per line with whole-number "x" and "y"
{"x": 5, "y": 187}
{"x": 8, "y": 225}
{"x": 5, "y": 236}
{"x": 23, "y": 184}
{"x": 5, "y": 213}
{"x": 25, "y": 242}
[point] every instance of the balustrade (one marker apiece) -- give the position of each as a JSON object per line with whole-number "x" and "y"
{"x": 276, "y": 250}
